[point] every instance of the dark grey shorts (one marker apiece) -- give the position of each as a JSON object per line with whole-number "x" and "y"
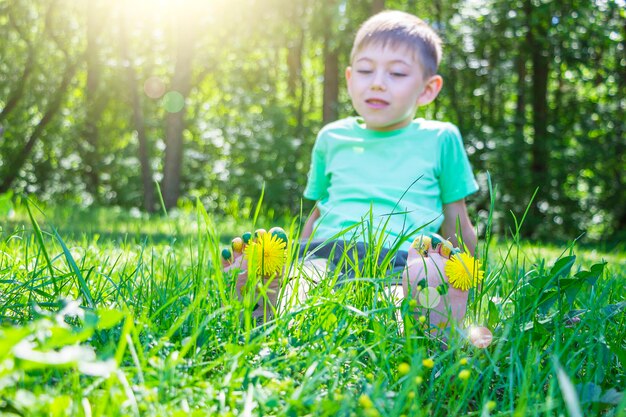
{"x": 357, "y": 253}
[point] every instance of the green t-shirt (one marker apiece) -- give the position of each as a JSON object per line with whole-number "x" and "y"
{"x": 405, "y": 176}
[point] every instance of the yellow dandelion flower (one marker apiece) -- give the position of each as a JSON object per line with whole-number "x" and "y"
{"x": 464, "y": 374}
{"x": 365, "y": 401}
{"x": 491, "y": 405}
{"x": 464, "y": 271}
{"x": 404, "y": 368}
{"x": 428, "y": 363}
{"x": 268, "y": 253}
{"x": 418, "y": 380}
{"x": 463, "y": 361}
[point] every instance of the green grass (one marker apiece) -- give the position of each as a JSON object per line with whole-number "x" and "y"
{"x": 105, "y": 313}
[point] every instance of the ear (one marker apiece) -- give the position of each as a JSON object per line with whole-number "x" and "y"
{"x": 348, "y": 78}
{"x": 431, "y": 90}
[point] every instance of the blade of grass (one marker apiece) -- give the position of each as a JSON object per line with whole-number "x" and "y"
{"x": 158, "y": 189}
{"x": 257, "y": 210}
{"x": 570, "y": 397}
{"x": 42, "y": 246}
{"x": 84, "y": 289}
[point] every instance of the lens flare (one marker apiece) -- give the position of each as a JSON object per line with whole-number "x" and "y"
{"x": 154, "y": 87}
{"x": 429, "y": 297}
{"x": 173, "y": 101}
{"x": 480, "y": 336}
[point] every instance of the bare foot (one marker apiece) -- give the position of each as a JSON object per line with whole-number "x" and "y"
{"x": 426, "y": 281}
{"x": 258, "y": 261}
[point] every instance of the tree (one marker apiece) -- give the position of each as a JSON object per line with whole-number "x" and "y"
{"x": 186, "y": 32}
{"x": 94, "y": 102}
{"x": 54, "y": 104}
{"x": 138, "y": 122}
{"x": 536, "y": 88}
{"x": 538, "y": 21}
{"x": 331, "y": 63}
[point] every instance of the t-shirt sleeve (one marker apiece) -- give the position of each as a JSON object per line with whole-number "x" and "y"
{"x": 317, "y": 182}
{"x": 456, "y": 179}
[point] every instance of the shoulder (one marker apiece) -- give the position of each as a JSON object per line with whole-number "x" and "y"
{"x": 445, "y": 136}
{"x": 336, "y": 132}
{"x": 339, "y": 126}
{"x": 437, "y": 128}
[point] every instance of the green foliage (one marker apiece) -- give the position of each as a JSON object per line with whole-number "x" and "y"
{"x": 256, "y": 94}
{"x": 129, "y": 318}
{"x": 6, "y": 205}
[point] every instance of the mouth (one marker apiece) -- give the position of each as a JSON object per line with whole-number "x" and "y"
{"x": 376, "y": 103}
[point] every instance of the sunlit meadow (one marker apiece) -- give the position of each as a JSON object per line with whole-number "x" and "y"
{"x": 112, "y": 313}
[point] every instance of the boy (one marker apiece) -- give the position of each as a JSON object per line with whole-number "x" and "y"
{"x": 404, "y": 174}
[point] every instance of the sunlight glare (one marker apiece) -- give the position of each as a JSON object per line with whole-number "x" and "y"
{"x": 429, "y": 297}
{"x": 157, "y": 14}
{"x": 480, "y": 336}
{"x": 154, "y": 87}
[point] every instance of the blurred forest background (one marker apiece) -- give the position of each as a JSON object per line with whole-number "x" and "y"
{"x": 102, "y": 99}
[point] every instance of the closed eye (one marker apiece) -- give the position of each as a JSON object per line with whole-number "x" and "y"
{"x": 398, "y": 74}
{"x": 364, "y": 71}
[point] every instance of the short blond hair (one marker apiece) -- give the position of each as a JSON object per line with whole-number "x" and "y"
{"x": 395, "y": 28}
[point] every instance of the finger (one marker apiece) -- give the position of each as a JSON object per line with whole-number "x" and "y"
{"x": 237, "y": 245}
{"x": 246, "y": 236}
{"x": 227, "y": 257}
{"x": 280, "y": 234}
{"x": 258, "y": 233}
{"x": 446, "y": 248}
{"x": 437, "y": 241}
{"x": 422, "y": 244}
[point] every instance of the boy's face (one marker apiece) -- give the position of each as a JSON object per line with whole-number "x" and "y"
{"x": 387, "y": 85}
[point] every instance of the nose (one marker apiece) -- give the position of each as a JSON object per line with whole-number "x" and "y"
{"x": 378, "y": 83}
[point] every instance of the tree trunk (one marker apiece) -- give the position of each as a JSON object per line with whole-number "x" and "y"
{"x": 492, "y": 83}
{"x": 175, "y": 121}
{"x": 540, "y": 148}
{"x": 537, "y": 41}
{"x": 519, "y": 145}
{"x": 331, "y": 68}
{"x": 331, "y": 84}
{"x": 149, "y": 198}
{"x": 619, "y": 171}
{"x": 93, "y": 110}
{"x": 452, "y": 88}
{"x": 15, "y": 165}
{"x": 18, "y": 92}
{"x": 294, "y": 64}
{"x": 296, "y": 82}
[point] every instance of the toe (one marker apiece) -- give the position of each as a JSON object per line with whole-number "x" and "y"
{"x": 226, "y": 257}
{"x": 437, "y": 243}
{"x": 236, "y": 262}
{"x": 413, "y": 275}
{"x": 422, "y": 244}
{"x": 238, "y": 246}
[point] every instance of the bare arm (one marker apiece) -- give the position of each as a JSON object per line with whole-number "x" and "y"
{"x": 452, "y": 212}
{"x": 307, "y": 230}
